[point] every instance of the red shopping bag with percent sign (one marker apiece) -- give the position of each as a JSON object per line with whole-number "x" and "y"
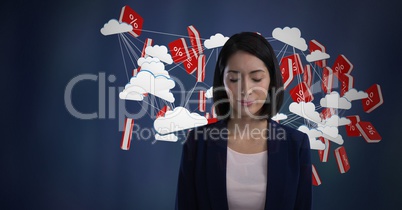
{"x": 327, "y": 79}
{"x": 315, "y": 45}
{"x": 127, "y": 134}
{"x": 368, "y": 132}
{"x": 190, "y": 64}
{"x": 287, "y": 72}
{"x": 323, "y": 154}
{"x": 342, "y": 159}
{"x": 347, "y": 83}
{"x": 351, "y": 129}
{"x": 129, "y": 16}
{"x": 308, "y": 76}
{"x": 296, "y": 66}
{"x": 179, "y": 50}
{"x": 201, "y": 68}
{"x": 315, "y": 176}
{"x": 195, "y": 39}
{"x": 148, "y": 42}
{"x": 301, "y": 93}
{"x": 342, "y": 65}
{"x": 374, "y": 98}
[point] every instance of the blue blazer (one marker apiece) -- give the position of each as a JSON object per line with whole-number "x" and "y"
{"x": 202, "y": 175}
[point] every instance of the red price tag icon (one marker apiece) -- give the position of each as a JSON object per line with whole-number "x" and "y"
{"x": 287, "y": 72}
{"x": 374, "y": 98}
{"x": 191, "y": 63}
{"x": 351, "y": 129}
{"x": 368, "y": 132}
{"x": 342, "y": 65}
{"x": 201, "y": 68}
{"x": 316, "y": 177}
{"x": 296, "y": 66}
{"x": 327, "y": 79}
{"x": 307, "y": 75}
{"x": 127, "y": 134}
{"x": 179, "y": 50}
{"x": 301, "y": 93}
{"x": 129, "y": 16}
{"x": 148, "y": 42}
{"x": 315, "y": 45}
{"x": 195, "y": 39}
{"x": 347, "y": 83}
{"x": 323, "y": 154}
{"x": 342, "y": 159}
{"x": 201, "y": 101}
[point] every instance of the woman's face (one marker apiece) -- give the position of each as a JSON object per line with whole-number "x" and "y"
{"x": 246, "y": 80}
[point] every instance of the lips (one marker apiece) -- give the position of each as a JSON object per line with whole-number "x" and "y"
{"x": 246, "y": 102}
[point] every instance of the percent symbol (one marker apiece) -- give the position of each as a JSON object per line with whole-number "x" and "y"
{"x": 339, "y": 68}
{"x": 189, "y": 64}
{"x": 300, "y": 96}
{"x": 370, "y": 130}
{"x": 370, "y": 98}
{"x": 178, "y": 51}
{"x": 134, "y": 21}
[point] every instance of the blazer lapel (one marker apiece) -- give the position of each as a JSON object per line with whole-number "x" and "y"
{"x": 216, "y": 168}
{"x": 276, "y": 180}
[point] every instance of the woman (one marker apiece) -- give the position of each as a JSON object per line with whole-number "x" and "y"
{"x": 245, "y": 160}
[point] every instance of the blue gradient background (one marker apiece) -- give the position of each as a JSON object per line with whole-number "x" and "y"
{"x": 52, "y": 160}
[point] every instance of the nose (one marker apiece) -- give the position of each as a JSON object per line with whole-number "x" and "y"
{"x": 245, "y": 87}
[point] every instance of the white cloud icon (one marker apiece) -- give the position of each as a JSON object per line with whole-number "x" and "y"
{"x": 217, "y": 40}
{"x": 160, "y": 52}
{"x": 168, "y": 137}
{"x": 305, "y": 110}
{"x": 114, "y": 27}
{"x": 333, "y": 100}
{"x": 153, "y": 65}
{"x": 335, "y": 120}
{"x": 209, "y": 94}
{"x": 312, "y": 135}
{"x": 290, "y": 36}
{"x": 178, "y": 119}
{"x": 279, "y": 116}
{"x": 331, "y": 133}
{"x": 317, "y": 55}
{"x": 353, "y": 94}
{"x": 146, "y": 82}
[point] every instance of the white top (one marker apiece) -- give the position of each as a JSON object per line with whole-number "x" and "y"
{"x": 246, "y": 180}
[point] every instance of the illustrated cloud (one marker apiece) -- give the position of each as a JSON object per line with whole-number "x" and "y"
{"x": 316, "y": 56}
{"x": 114, "y": 27}
{"x": 331, "y": 133}
{"x": 305, "y": 110}
{"x": 353, "y": 94}
{"x": 153, "y": 65}
{"x": 178, "y": 119}
{"x": 279, "y": 116}
{"x": 333, "y": 100}
{"x": 146, "y": 82}
{"x": 335, "y": 120}
{"x": 160, "y": 52}
{"x": 312, "y": 135}
{"x": 208, "y": 94}
{"x": 168, "y": 137}
{"x": 217, "y": 40}
{"x": 290, "y": 36}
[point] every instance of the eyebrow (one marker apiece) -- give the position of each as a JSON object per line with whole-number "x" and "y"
{"x": 252, "y": 72}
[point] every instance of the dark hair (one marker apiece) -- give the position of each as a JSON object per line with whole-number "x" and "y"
{"x": 258, "y": 46}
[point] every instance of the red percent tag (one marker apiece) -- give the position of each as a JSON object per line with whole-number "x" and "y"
{"x": 323, "y": 154}
{"x": 307, "y": 75}
{"x": 368, "y": 132}
{"x": 179, "y": 50}
{"x": 342, "y": 159}
{"x": 315, "y": 45}
{"x": 201, "y": 68}
{"x": 162, "y": 112}
{"x": 301, "y": 93}
{"x": 316, "y": 177}
{"x": 190, "y": 64}
{"x": 127, "y": 134}
{"x": 195, "y": 39}
{"x": 374, "y": 98}
{"x": 347, "y": 83}
{"x": 342, "y": 65}
{"x": 327, "y": 79}
{"x": 296, "y": 66}
{"x": 201, "y": 101}
{"x": 287, "y": 72}
{"x": 129, "y": 16}
{"x": 148, "y": 42}
{"x": 351, "y": 129}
